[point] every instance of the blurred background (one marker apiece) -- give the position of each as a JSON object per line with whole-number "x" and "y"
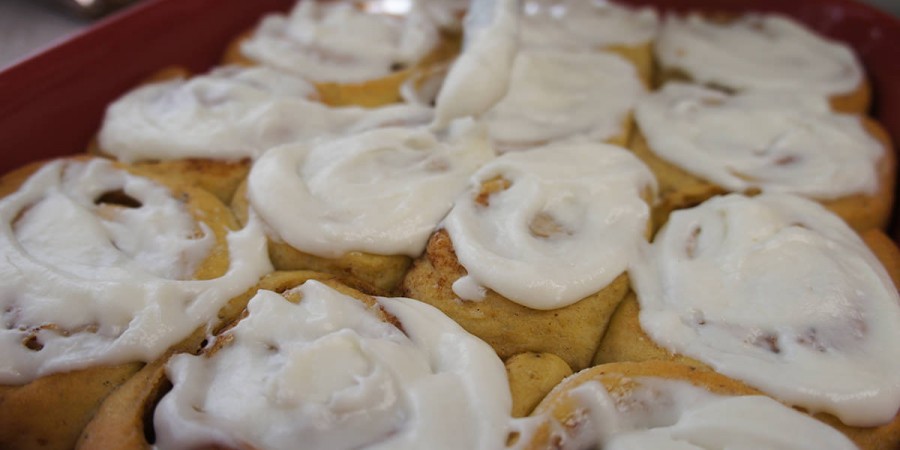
{"x": 26, "y": 26}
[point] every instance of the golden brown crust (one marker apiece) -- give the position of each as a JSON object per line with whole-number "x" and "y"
{"x": 679, "y": 189}
{"x": 641, "y": 56}
{"x": 119, "y": 423}
{"x": 625, "y": 340}
{"x": 531, "y": 377}
{"x": 572, "y": 332}
{"x": 380, "y": 274}
{"x": 50, "y": 412}
{"x": 857, "y": 101}
{"x": 221, "y": 178}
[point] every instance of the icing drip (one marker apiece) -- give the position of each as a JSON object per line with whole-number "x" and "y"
{"x": 479, "y": 77}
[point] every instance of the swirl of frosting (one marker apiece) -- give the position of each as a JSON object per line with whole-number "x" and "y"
{"x": 382, "y": 191}
{"x": 341, "y": 41}
{"x": 757, "y": 52}
{"x": 554, "y": 95}
{"x": 87, "y": 284}
{"x": 672, "y": 414}
{"x": 773, "y": 141}
{"x": 585, "y": 24}
{"x": 779, "y": 293}
{"x": 565, "y": 221}
{"x": 329, "y": 373}
{"x": 229, "y": 114}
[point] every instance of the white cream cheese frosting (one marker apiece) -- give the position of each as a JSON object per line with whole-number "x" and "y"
{"x": 383, "y": 191}
{"x": 757, "y": 52}
{"x": 329, "y": 374}
{"x": 339, "y": 41}
{"x": 568, "y": 223}
{"x": 772, "y": 141}
{"x": 555, "y": 95}
{"x": 480, "y": 76}
{"x": 87, "y": 284}
{"x": 671, "y": 414}
{"x": 230, "y": 114}
{"x": 779, "y": 293}
{"x": 585, "y": 24}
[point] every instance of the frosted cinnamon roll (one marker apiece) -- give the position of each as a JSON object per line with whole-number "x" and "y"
{"x": 203, "y": 128}
{"x": 103, "y": 270}
{"x": 532, "y": 256}
{"x": 700, "y": 142}
{"x": 556, "y": 95}
{"x": 579, "y": 25}
{"x": 354, "y": 53}
{"x": 769, "y": 52}
{"x": 330, "y": 369}
{"x": 364, "y": 204}
{"x": 210, "y": 126}
{"x": 779, "y": 293}
{"x": 668, "y": 405}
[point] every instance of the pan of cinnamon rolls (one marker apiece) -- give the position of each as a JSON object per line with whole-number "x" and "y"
{"x": 485, "y": 224}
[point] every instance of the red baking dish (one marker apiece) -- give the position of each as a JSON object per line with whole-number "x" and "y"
{"x": 52, "y": 103}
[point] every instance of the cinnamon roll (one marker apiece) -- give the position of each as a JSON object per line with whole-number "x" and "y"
{"x": 103, "y": 270}
{"x": 362, "y": 205}
{"x": 779, "y": 293}
{"x": 355, "y": 52}
{"x": 532, "y": 256}
{"x": 761, "y": 52}
{"x": 658, "y": 404}
{"x": 701, "y": 142}
{"x": 329, "y": 369}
